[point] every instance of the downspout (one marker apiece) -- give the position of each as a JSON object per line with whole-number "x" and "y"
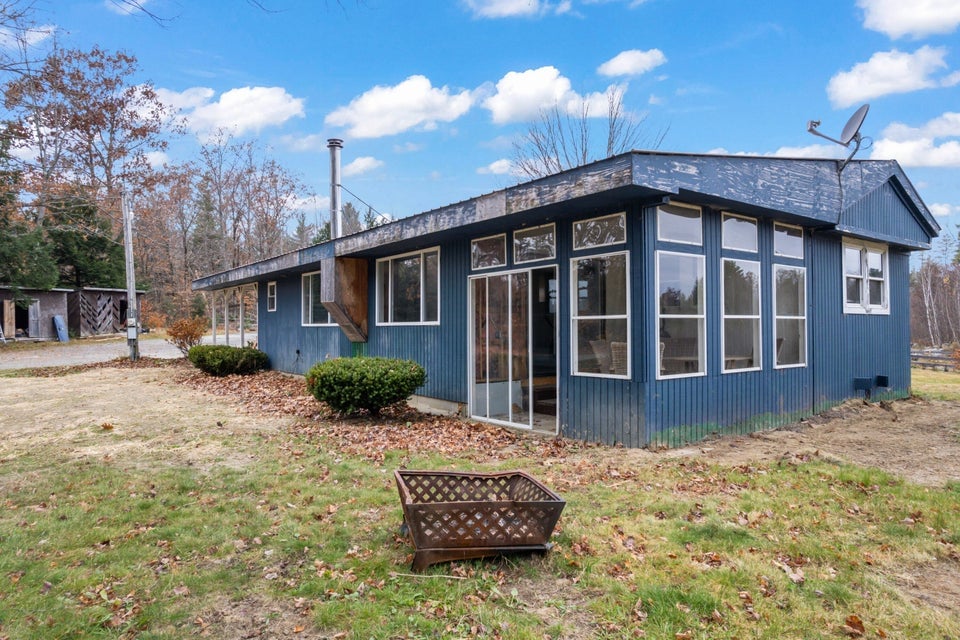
{"x": 336, "y": 217}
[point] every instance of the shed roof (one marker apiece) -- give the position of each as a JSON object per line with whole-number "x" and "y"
{"x": 813, "y": 192}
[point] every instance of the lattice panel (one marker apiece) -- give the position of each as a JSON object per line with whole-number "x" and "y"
{"x": 476, "y": 526}
{"x": 459, "y": 488}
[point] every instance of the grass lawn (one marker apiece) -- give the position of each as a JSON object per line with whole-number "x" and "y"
{"x": 290, "y": 537}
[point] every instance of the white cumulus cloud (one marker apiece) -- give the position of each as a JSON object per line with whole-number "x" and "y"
{"x": 516, "y": 8}
{"x": 239, "y": 110}
{"x": 497, "y": 168}
{"x": 388, "y": 110}
{"x": 31, "y": 37}
{"x": 942, "y": 209}
{"x": 309, "y": 143}
{"x": 934, "y": 144}
{"x": 632, "y": 62}
{"x": 917, "y": 18}
{"x": 522, "y": 95}
{"x": 887, "y": 72}
{"x": 361, "y": 165}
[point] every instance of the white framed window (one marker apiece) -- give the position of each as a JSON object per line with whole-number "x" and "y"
{"x": 681, "y": 314}
{"x": 739, "y": 232}
{"x": 408, "y": 288}
{"x": 271, "y": 296}
{"x": 600, "y": 315}
{"x": 534, "y": 244}
{"x": 600, "y": 232}
{"x": 790, "y": 315}
{"x": 866, "y": 286}
{"x": 681, "y": 223}
{"x": 489, "y": 252}
{"x": 787, "y": 240}
{"x": 313, "y": 313}
{"x": 741, "y": 315}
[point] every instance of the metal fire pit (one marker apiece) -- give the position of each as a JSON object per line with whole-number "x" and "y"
{"x": 454, "y": 516}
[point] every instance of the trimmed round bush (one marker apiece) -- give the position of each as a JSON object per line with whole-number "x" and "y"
{"x": 224, "y": 360}
{"x": 351, "y": 384}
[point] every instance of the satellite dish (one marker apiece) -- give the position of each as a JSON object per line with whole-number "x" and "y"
{"x": 850, "y": 133}
{"x": 852, "y": 129}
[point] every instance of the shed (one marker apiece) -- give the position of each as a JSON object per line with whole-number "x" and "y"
{"x": 646, "y": 299}
{"x": 35, "y": 320}
{"x": 97, "y": 310}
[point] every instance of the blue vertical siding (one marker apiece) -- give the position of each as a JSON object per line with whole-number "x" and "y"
{"x": 884, "y": 214}
{"x": 441, "y": 350}
{"x": 294, "y": 348}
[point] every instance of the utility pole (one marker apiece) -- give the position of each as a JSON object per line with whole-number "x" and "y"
{"x": 132, "y": 308}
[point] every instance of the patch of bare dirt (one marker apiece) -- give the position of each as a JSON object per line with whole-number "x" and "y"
{"x": 936, "y": 583}
{"x": 257, "y": 616}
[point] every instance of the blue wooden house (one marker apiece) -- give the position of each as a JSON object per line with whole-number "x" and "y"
{"x": 649, "y": 298}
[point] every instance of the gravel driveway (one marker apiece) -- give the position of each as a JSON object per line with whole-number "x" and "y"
{"x": 99, "y": 349}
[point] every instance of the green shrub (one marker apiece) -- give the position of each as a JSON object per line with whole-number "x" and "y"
{"x": 351, "y": 384}
{"x": 223, "y": 360}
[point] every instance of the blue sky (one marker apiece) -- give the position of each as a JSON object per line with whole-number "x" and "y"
{"x": 429, "y": 95}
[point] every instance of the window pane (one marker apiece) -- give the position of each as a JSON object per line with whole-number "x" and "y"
{"x": 741, "y": 343}
{"x": 787, "y": 241}
{"x": 383, "y": 290}
{"x": 318, "y": 313}
{"x": 599, "y": 231}
{"x": 741, "y": 287}
{"x": 790, "y": 292}
{"x": 681, "y": 346}
{"x": 601, "y": 346}
{"x": 791, "y": 341}
{"x": 681, "y": 284}
{"x": 534, "y": 244}
{"x": 853, "y": 290}
{"x": 431, "y": 286}
{"x": 739, "y": 233}
{"x": 875, "y": 264}
{"x": 679, "y": 224}
{"x": 602, "y": 286}
{"x": 406, "y": 289}
{"x": 876, "y": 293}
{"x": 488, "y": 252}
{"x": 305, "y": 302}
{"x": 851, "y": 261}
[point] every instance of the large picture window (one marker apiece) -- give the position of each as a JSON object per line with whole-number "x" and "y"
{"x": 408, "y": 288}
{"x": 865, "y": 284}
{"x": 790, "y": 323}
{"x": 741, "y": 315}
{"x": 681, "y": 314}
{"x": 600, "y": 315}
{"x": 313, "y": 311}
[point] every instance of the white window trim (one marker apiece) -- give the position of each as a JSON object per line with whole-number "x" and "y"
{"x": 553, "y": 255}
{"x": 758, "y": 317}
{"x": 702, "y": 317}
{"x": 756, "y": 231}
{"x": 421, "y": 322}
{"x": 574, "y": 317}
{"x": 788, "y": 226}
{"x": 686, "y": 242}
{"x": 503, "y": 237}
{"x": 864, "y": 307}
{"x": 272, "y": 297}
{"x": 329, "y": 322}
{"x": 573, "y": 227}
{"x": 806, "y": 331}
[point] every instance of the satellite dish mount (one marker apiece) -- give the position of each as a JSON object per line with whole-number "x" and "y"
{"x": 850, "y": 133}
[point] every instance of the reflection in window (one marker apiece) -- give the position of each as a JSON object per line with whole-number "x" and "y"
{"x": 787, "y": 240}
{"x": 681, "y": 314}
{"x": 739, "y": 233}
{"x": 408, "y": 288}
{"x": 538, "y": 243}
{"x": 488, "y": 252}
{"x": 741, "y": 315}
{"x": 790, "y": 325}
{"x": 600, "y": 232}
{"x": 679, "y": 224}
{"x": 864, "y": 277}
{"x": 600, "y": 315}
{"x": 313, "y": 311}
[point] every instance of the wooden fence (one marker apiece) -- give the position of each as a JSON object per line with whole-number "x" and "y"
{"x": 936, "y": 361}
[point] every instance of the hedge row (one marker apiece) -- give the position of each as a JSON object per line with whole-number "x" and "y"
{"x": 224, "y": 360}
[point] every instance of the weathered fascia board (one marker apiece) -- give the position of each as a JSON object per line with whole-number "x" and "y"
{"x": 343, "y": 292}
{"x": 906, "y": 243}
{"x": 248, "y": 273}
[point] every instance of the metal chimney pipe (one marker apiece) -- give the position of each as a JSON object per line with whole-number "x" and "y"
{"x": 336, "y": 218}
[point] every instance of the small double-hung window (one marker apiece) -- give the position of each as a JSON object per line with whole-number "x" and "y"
{"x": 865, "y": 278}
